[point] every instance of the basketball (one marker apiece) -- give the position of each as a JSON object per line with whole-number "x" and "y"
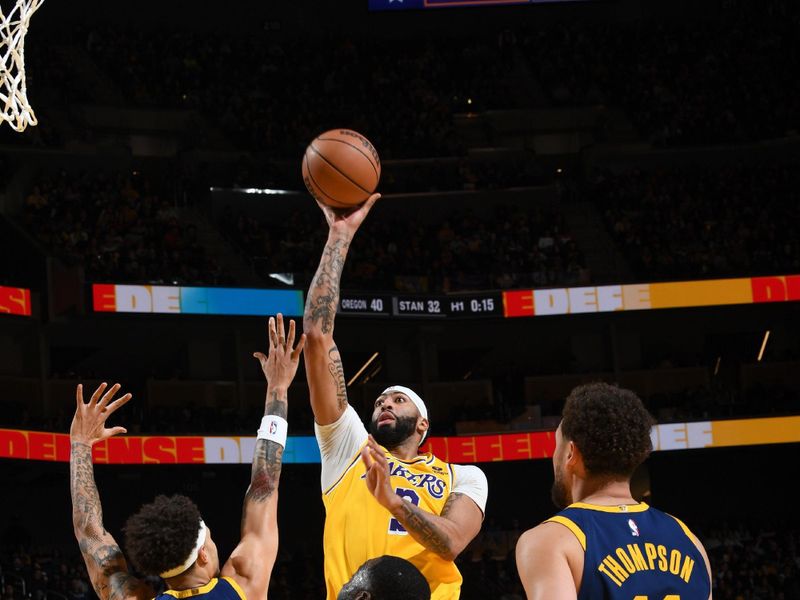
{"x": 341, "y": 168}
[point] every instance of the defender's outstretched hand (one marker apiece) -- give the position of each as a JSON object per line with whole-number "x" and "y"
{"x": 280, "y": 366}
{"x": 348, "y": 221}
{"x": 89, "y": 423}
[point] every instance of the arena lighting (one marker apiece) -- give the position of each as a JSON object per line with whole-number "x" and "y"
{"x": 763, "y": 345}
{"x": 362, "y": 369}
{"x": 287, "y": 278}
{"x": 263, "y": 191}
{"x": 716, "y": 366}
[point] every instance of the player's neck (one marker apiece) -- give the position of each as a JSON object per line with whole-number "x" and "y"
{"x": 189, "y": 581}
{"x": 604, "y": 494}
{"x": 407, "y": 450}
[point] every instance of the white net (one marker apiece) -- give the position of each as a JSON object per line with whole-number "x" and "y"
{"x": 13, "y": 95}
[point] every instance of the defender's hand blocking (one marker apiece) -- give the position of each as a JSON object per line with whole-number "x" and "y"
{"x": 89, "y": 423}
{"x": 378, "y": 479}
{"x": 280, "y": 366}
{"x": 348, "y": 221}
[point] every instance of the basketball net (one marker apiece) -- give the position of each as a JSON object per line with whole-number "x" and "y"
{"x": 13, "y": 95}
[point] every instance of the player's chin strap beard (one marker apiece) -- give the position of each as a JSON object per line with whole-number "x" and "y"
{"x": 391, "y": 437}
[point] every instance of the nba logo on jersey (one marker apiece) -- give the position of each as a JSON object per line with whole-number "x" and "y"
{"x": 634, "y": 527}
{"x": 273, "y": 428}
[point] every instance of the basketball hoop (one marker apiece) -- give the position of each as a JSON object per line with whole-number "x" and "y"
{"x": 13, "y": 95}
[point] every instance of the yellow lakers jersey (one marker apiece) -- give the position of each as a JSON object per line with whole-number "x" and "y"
{"x": 357, "y": 528}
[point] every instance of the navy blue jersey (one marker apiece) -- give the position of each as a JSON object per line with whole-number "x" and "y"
{"x": 222, "y": 588}
{"x": 635, "y": 552}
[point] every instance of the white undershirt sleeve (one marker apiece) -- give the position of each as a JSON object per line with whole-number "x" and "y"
{"x": 471, "y": 481}
{"x": 338, "y": 444}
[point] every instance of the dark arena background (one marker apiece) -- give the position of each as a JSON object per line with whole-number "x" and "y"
{"x": 572, "y": 191}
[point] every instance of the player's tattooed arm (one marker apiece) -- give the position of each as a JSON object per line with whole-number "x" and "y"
{"x": 279, "y": 368}
{"x": 323, "y": 295}
{"x": 250, "y": 564}
{"x": 324, "y": 370}
{"x": 446, "y": 534}
{"x": 323, "y": 299}
{"x": 104, "y": 560}
{"x": 266, "y": 471}
{"x": 337, "y": 374}
{"x": 421, "y": 526}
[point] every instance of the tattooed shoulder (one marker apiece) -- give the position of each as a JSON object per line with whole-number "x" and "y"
{"x": 125, "y": 586}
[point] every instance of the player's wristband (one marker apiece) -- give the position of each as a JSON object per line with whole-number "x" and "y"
{"x": 274, "y": 429}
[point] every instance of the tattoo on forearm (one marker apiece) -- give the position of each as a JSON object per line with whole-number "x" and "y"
{"x": 103, "y": 557}
{"x": 277, "y": 404}
{"x": 108, "y": 570}
{"x": 87, "y": 513}
{"x": 418, "y": 524}
{"x": 323, "y": 294}
{"x": 322, "y": 308}
{"x": 337, "y": 372}
{"x": 266, "y": 472}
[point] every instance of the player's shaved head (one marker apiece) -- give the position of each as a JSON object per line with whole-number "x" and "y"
{"x": 386, "y": 578}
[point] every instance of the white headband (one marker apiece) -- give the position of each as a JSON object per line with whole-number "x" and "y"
{"x": 201, "y": 539}
{"x": 415, "y": 398}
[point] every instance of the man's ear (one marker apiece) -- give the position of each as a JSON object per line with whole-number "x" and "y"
{"x": 423, "y": 425}
{"x": 572, "y": 451}
{"x": 575, "y": 459}
{"x": 363, "y": 595}
{"x": 202, "y": 556}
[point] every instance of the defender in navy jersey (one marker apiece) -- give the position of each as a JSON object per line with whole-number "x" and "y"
{"x": 604, "y": 544}
{"x": 168, "y": 538}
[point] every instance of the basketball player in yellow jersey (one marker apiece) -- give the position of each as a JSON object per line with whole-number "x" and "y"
{"x": 413, "y": 506}
{"x": 168, "y": 538}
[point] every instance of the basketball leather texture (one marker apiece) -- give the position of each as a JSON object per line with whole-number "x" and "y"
{"x": 341, "y": 168}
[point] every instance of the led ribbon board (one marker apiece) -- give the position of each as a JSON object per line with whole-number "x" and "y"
{"x": 164, "y": 299}
{"x": 139, "y": 450}
{"x": 15, "y": 301}
{"x": 650, "y": 296}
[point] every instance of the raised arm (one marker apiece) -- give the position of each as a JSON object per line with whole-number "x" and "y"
{"x": 252, "y": 560}
{"x": 447, "y": 534}
{"x": 326, "y": 382}
{"x": 105, "y": 563}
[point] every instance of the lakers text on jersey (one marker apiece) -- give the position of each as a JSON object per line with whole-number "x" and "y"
{"x": 358, "y": 528}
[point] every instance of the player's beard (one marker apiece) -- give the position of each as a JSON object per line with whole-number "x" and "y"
{"x": 392, "y": 435}
{"x": 558, "y": 493}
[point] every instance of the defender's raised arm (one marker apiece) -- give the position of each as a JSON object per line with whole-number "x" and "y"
{"x": 252, "y": 560}
{"x": 104, "y": 560}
